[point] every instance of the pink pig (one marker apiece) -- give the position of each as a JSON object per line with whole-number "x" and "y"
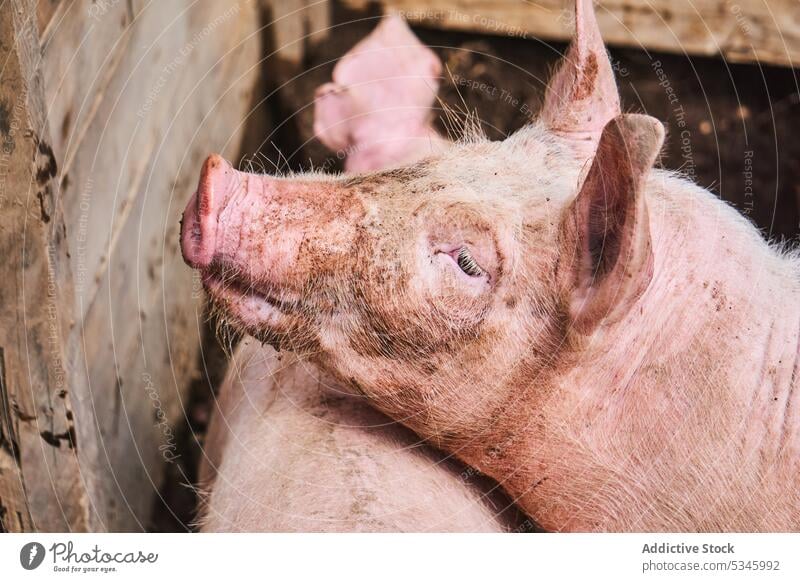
{"x": 617, "y": 347}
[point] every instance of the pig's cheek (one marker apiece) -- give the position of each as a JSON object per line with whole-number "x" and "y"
{"x": 335, "y": 335}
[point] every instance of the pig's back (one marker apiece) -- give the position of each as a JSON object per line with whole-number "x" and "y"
{"x": 285, "y": 453}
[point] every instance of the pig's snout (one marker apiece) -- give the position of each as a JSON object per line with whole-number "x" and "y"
{"x": 200, "y": 219}
{"x": 266, "y": 245}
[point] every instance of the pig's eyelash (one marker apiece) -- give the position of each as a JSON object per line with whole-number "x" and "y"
{"x": 468, "y": 264}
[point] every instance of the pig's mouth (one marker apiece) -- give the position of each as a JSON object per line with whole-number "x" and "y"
{"x": 261, "y": 310}
{"x": 253, "y": 303}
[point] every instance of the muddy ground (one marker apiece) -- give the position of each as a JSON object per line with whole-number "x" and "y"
{"x": 734, "y": 128}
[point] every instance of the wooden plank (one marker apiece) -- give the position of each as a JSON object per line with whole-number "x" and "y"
{"x": 41, "y": 484}
{"x": 104, "y": 168}
{"x": 318, "y": 20}
{"x": 47, "y": 13}
{"x": 767, "y": 31}
{"x": 288, "y": 26}
{"x": 102, "y": 174}
{"x": 293, "y": 25}
{"x": 80, "y": 52}
{"x": 140, "y": 329}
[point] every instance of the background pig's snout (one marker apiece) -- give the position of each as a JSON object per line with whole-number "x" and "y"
{"x": 199, "y": 225}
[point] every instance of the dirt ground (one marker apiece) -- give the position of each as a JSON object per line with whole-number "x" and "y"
{"x": 734, "y": 128}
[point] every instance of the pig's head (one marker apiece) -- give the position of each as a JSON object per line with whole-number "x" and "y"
{"x": 438, "y": 288}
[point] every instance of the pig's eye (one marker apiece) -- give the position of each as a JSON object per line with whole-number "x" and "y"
{"x": 468, "y": 264}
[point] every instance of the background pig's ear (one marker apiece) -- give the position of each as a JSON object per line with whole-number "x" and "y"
{"x": 388, "y": 78}
{"x": 608, "y": 221}
{"x": 333, "y": 110}
{"x": 582, "y": 95}
{"x": 381, "y": 94}
{"x": 391, "y": 65}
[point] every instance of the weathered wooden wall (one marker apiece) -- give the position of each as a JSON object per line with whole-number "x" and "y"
{"x": 740, "y": 30}
{"x": 40, "y": 481}
{"x": 107, "y": 109}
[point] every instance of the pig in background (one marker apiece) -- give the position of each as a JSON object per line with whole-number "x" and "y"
{"x": 612, "y": 344}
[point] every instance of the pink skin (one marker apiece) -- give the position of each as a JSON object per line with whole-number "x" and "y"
{"x": 381, "y": 121}
{"x": 614, "y": 345}
{"x": 287, "y": 452}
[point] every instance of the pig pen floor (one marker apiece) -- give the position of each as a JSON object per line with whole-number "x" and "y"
{"x": 735, "y": 128}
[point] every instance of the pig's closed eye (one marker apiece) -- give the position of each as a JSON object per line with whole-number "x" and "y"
{"x": 468, "y": 264}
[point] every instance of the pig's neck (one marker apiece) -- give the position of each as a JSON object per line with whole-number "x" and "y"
{"x": 673, "y": 417}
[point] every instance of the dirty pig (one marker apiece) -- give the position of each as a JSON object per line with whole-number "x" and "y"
{"x": 612, "y": 344}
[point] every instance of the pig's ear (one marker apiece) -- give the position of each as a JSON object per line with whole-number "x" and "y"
{"x": 333, "y": 110}
{"x": 608, "y": 224}
{"x": 582, "y": 95}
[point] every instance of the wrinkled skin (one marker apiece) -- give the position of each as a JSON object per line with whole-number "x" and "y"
{"x": 614, "y": 345}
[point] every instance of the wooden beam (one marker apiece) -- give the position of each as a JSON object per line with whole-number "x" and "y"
{"x": 766, "y": 31}
{"x": 293, "y": 26}
{"x": 181, "y": 92}
{"x": 41, "y": 485}
{"x": 80, "y": 52}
